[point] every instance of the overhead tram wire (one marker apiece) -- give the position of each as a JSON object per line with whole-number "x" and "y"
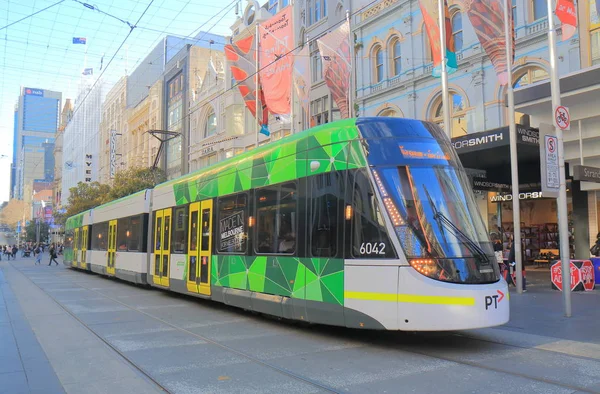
{"x": 30, "y": 15}
{"x": 131, "y": 29}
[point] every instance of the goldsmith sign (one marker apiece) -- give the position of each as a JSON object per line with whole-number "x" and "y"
{"x": 586, "y": 173}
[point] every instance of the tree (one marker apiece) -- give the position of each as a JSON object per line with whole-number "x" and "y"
{"x": 85, "y": 196}
{"x": 30, "y": 231}
{"x": 135, "y": 179}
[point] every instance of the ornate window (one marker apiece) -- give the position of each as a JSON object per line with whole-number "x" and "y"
{"x": 457, "y": 30}
{"x": 539, "y": 9}
{"x": 378, "y": 69}
{"x": 396, "y": 57}
{"x": 531, "y": 75}
{"x": 427, "y": 52}
{"x": 211, "y": 124}
{"x": 389, "y": 112}
{"x": 458, "y": 115}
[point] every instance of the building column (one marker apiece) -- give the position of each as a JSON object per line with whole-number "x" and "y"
{"x": 580, "y": 220}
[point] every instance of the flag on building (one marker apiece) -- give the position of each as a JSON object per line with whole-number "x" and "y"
{"x": 334, "y": 49}
{"x": 302, "y": 77}
{"x": 487, "y": 18}
{"x": 88, "y": 71}
{"x": 276, "y": 62}
{"x": 79, "y": 40}
{"x": 242, "y": 55}
{"x": 567, "y": 14}
{"x": 429, "y": 9}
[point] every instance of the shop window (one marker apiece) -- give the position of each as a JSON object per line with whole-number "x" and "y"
{"x": 180, "y": 225}
{"x": 233, "y": 224}
{"x": 276, "y": 222}
{"x": 369, "y": 236}
{"x": 324, "y": 213}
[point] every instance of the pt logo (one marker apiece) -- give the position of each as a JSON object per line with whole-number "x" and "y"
{"x": 494, "y": 300}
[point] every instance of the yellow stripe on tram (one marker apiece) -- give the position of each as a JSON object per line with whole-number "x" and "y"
{"x": 410, "y": 298}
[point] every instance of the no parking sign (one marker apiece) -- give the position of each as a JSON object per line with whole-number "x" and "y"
{"x": 562, "y": 118}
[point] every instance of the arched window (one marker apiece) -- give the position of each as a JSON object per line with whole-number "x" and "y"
{"x": 396, "y": 57}
{"x": 389, "y": 112}
{"x": 530, "y": 75}
{"x": 457, "y": 30}
{"x": 211, "y": 124}
{"x": 539, "y": 9}
{"x": 427, "y": 52}
{"x": 458, "y": 115}
{"x": 378, "y": 57}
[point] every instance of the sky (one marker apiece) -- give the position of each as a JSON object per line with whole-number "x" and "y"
{"x": 38, "y": 52}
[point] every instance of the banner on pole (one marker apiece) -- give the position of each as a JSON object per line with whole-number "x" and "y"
{"x": 487, "y": 18}
{"x": 334, "y": 48}
{"x": 242, "y": 55}
{"x": 79, "y": 40}
{"x": 429, "y": 9}
{"x": 276, "y": 62}
{"x": 567, "y": 14}
{"x": 550, "y": 168}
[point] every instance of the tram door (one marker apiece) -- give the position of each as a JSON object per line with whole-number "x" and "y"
{"x": 112, "y": 247}
{"x": 162, "y": 246}
{"x": 75, "y": 248}
{"x": 84, "y": 242}
{"x": 199, "y": 247}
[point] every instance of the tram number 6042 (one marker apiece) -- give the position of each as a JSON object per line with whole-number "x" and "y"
{"x": 372, "y": 248}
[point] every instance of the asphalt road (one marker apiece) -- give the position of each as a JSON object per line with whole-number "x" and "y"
{"x": 186, "y": 345}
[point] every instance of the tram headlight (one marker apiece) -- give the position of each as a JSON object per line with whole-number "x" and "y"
{"x": 427, "y": 267}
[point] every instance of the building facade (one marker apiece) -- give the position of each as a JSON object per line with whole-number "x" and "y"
{"x": 82, "y": 136}
{"x": 36, "y": 122}
{"x": 112, "y": 131}
{"x": 65, "y": 117}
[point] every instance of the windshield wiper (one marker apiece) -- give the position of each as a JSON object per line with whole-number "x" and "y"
{"x": 443, "y": 219}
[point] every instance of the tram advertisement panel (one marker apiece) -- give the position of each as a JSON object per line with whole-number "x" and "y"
{"x": 231, "y": 229}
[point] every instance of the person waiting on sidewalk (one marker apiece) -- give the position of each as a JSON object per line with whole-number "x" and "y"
{"x": 38, "y": 255}
{"x": 512, "y": 261}
{"x": 595, "y": 249}
{"x": 53, "y": 255}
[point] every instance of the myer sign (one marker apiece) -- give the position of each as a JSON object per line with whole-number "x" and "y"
{"x": 522, "y": 196}
{"x": 586, "y": 173}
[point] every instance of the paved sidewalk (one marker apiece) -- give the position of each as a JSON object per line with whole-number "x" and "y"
{"x": 48, "y": 351}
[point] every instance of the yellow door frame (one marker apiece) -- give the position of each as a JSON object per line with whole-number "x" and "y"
{"x": 193, "y": 241}
{"x": 112, "y": 247}
{"x": 83, "y": 243}
{"x": 205, "y": 246}
{"x": 75, "y": 248}
{"x": 156, "y": 246}
{"x": 165, "y": 251}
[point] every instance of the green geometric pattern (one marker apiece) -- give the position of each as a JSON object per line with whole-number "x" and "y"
{"x": 315, "y": 279}
{"x": 75, "y": 221}
{"x": 314, "y": 151}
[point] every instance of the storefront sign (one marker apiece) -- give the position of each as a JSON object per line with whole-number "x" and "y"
{"x": 492, "y": 138}
{"x": 479, "y": 184}
{"x": 88, "y": 168}
{"x": 34, "y": 92}
{"x": 586, "y": 173}
{"x": 522, "y": 196}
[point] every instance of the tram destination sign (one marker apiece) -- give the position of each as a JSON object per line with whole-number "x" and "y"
{"x": 586, "y": 173}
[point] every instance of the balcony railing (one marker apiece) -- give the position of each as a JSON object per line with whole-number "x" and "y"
{"x": 539, "y": 26}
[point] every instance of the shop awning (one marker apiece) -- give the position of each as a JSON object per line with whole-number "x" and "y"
{"x": 488, "y": 152}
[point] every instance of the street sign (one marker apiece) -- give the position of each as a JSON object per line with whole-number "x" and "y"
{"x": 556, "y": 275}
{"x": 587, "y": 275}
{"x": 562, "y": 118}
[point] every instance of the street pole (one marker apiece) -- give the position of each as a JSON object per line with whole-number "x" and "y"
{"x": 258, "y": 125}
{"x": 514, "y": 159}
{"x": 561, "y": 202}
{"x": 350, "y": 84}
{"x": 444, "y": 70}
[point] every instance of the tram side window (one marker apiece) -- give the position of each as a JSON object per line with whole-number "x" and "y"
{"x": 324, "y": 214}
{"x": 100, "y": 236}
{"x": 369, "y": 235}
{"x": 180, "y": 225}
{"x": 276, "y": 219}
{"x": 233, "y": 224}
{"x": 123, "y": 232}
{"x": 136, "y": 229}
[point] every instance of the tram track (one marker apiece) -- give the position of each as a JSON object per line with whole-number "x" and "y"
{"x": 366, "y": 337}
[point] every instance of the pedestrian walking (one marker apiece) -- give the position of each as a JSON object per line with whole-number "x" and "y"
{"x": 38, "y": 255}
{"x": 512, "y": 261}
{"x": 53, "y": 255}
{"x": 595, "y": 249}
{"x": 14, "y": 252}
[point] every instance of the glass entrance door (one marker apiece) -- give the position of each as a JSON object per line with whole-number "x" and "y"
{"x": 162, "y": 247}
{"x": 84, "y": 243}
